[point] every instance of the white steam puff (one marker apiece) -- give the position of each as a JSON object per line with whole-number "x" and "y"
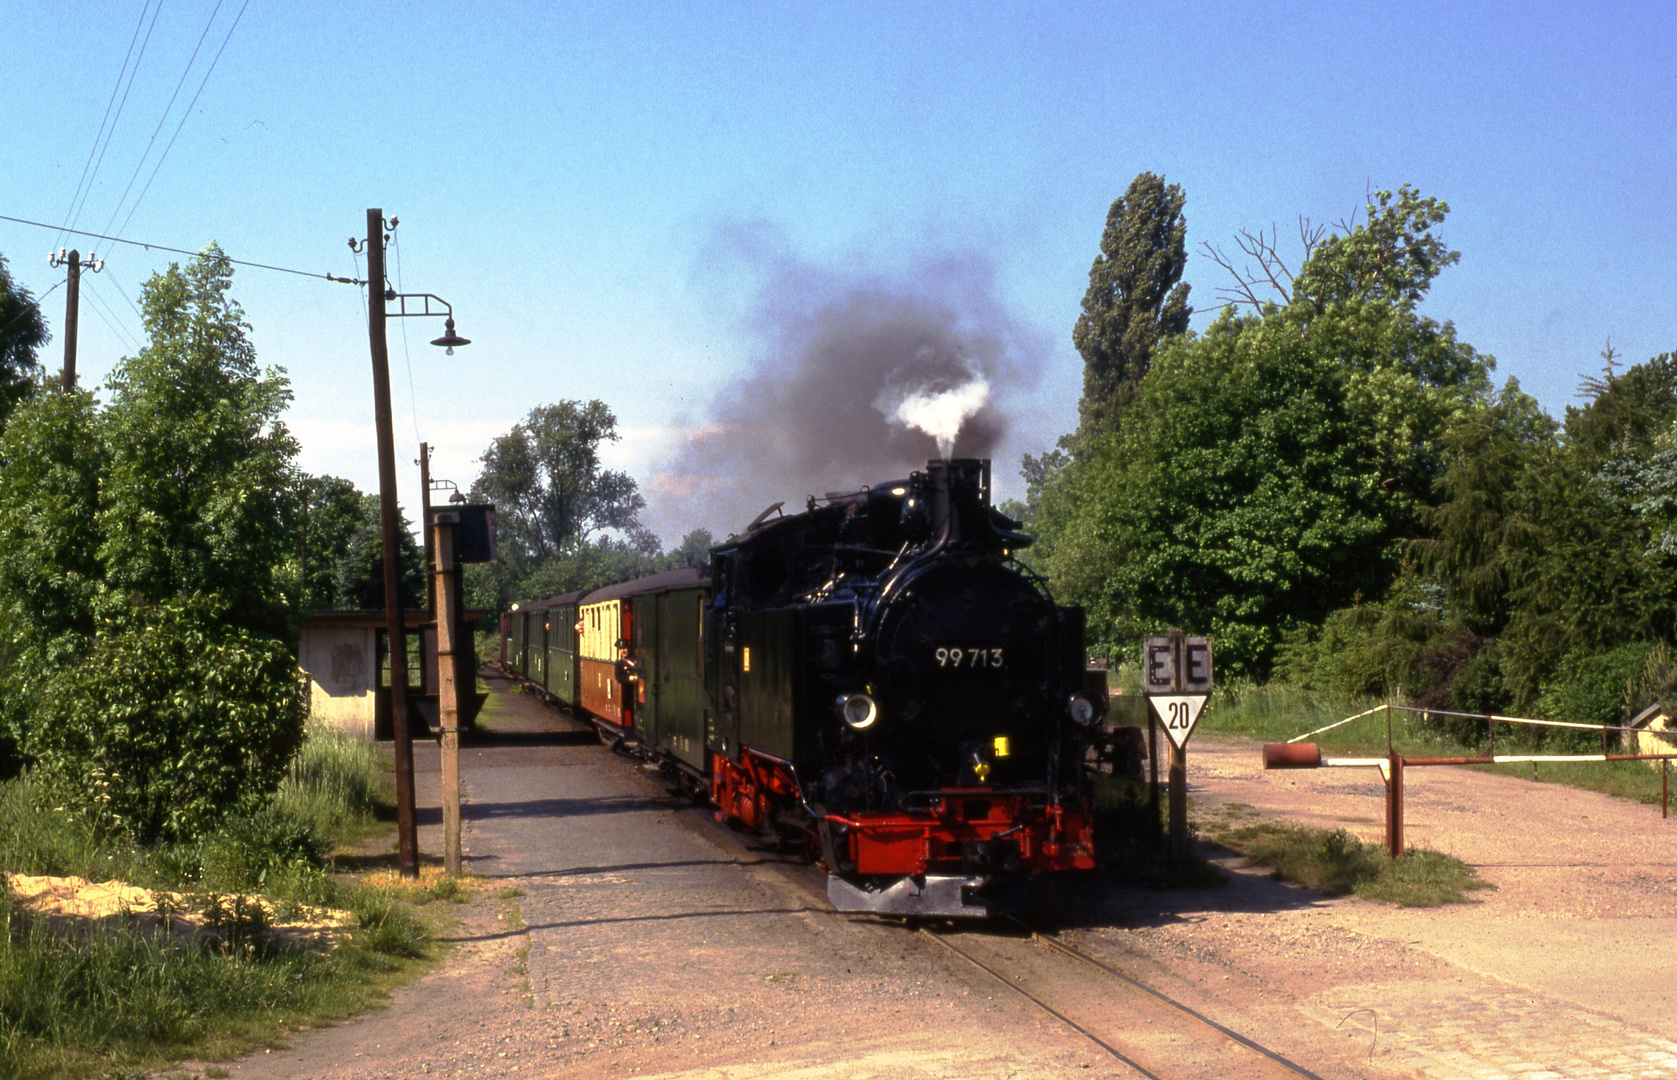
{"x": 937, "y": 407}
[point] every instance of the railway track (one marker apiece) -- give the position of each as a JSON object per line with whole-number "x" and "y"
{"x": 1149, "y": 1032}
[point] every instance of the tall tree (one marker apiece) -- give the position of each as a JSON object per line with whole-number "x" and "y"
{"x": 1135, "y": 299}
{"x": 1269, "y": 467}
{"x": 22, "y": 332}
{"x": 200, "y": 464}
{"x": 331, "y": 511}
{"x": 358, "y": 573}
{"x": 141, "y": 615}
{"x": 550, "y": 491}
{"x": 694, "y": 550}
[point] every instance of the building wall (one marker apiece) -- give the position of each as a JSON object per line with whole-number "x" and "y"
{"x": 1656, "y": 744}
{"x": 339, "y": 662}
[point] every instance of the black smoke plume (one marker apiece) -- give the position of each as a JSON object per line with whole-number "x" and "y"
{"x": 834, "y": 355}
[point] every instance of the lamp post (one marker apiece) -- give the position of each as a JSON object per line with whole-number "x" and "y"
{"x": 378, "y": 296}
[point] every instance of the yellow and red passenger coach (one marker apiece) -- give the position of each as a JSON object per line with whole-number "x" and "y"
{"x": 623, "y": 633}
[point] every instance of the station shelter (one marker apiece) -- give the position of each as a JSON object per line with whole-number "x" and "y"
{"x": 345, "y": 657}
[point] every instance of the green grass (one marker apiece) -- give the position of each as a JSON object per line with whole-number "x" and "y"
{"x": 1337, "y": 863}
{"x": 336, "y": 786}
{"x": 117, "y": 999}
{"x": 1276, "y": 712}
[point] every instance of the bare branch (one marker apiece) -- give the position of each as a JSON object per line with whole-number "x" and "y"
{"x": 1241, "y": 291}
{"x": 1309, "y": 235}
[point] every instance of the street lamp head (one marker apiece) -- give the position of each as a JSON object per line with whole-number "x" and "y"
{"x": 458, "y": 496}
{"x": 450, "y": 339}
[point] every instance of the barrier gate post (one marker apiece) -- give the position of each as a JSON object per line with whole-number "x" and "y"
{"x": 1394, "y": 804}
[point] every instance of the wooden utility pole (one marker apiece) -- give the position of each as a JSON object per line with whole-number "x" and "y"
{"x": 446, "y": 603}
{"x": 72, "y": 315}
{"x": 407, "y": 835}
{"x": 73, "y": 304}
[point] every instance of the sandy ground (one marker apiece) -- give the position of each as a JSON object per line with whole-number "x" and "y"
{"x": 644, "y": 940}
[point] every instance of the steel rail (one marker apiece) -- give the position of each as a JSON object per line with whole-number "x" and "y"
{"x": 1229, "y": 1033}
{"x": 1043, "y": 1005}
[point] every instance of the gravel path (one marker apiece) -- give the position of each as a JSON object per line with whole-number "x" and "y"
{"x": 647, "y": 941}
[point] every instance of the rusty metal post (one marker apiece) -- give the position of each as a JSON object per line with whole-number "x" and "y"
{"x": 407, "y": 836}
{"x": 1665, "y": 787}
{"x": 1394, "y": 805}
{"x": 445, "y": 602}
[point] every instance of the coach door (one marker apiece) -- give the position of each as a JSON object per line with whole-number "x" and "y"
{"x": 682, "y": 699}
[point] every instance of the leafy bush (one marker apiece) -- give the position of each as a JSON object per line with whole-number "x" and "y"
{"x": 1479, "y": 686}
{"x": 170, "y": 723}
{"x": 1592, "y": 688}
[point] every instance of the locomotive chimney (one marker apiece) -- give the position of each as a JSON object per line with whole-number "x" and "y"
{"x": 960, "y": 499}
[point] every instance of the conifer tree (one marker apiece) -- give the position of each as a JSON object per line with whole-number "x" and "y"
{"x": 1135, "y": 299}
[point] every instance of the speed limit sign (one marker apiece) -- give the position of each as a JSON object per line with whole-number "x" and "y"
{"x": 1178, "y": 713}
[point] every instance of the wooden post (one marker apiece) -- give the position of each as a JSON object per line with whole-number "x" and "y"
{"x": 1178, "y": 763}
{"x": 1153, "y": 776}
{"x": 407, "y": 832}
{"x": 424, "y": 464}
{"x": 445, "y": 603}
{"x": 1178, "y": 801}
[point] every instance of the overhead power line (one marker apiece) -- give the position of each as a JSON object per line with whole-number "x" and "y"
{"x": 163, "y": 118}
{"x": 90, "y": 170}
{"x": 182, "y": 251}
{"x": 202, "y": 83}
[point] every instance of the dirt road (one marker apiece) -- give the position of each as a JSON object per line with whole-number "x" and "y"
{"x": 647, "y": 941}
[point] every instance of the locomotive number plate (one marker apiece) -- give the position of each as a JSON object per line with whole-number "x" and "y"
{"x": 969, "y": 656}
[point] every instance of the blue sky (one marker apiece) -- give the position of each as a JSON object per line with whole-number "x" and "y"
{"x": 563, "y": 172}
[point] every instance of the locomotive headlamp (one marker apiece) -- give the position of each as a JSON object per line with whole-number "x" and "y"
{"x": 859, "y": 711}
{"x": 1082, "y": 710}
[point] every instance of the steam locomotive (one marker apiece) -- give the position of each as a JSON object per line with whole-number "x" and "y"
{"x": 875, "y": 681}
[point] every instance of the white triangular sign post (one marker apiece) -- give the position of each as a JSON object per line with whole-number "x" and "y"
{"x": 1178, "y": 713}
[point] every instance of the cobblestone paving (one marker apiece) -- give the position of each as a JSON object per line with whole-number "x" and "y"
{"x": 1483, "y": 1031}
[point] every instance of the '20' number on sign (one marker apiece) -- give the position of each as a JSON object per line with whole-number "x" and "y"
{"x": 969, "y": 658}
{"x": 1179, "y": 716}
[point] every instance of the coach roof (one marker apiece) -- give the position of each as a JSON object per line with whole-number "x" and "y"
{"x": 688, "y": 577}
